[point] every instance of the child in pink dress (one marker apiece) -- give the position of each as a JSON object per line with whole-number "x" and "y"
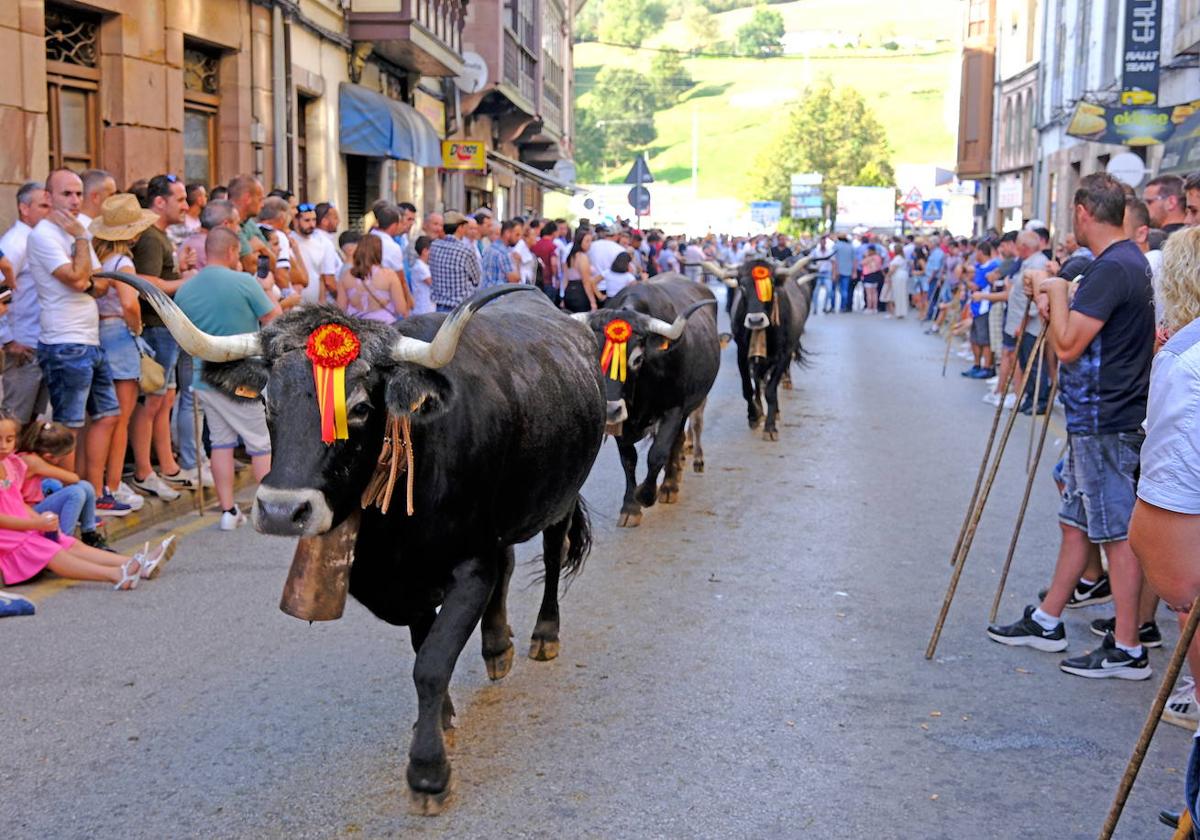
{"x": 31, "y": 541}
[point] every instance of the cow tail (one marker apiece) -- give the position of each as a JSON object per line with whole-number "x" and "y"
{"x": 579, "y": 540}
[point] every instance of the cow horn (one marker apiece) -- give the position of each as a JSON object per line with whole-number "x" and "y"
{"x": 582, "y": 317}
{"x": 210, "y": 348}
{"x": 797, "y": 267}
{"x": 807, "y": 278}
{"x": 673, "y": 331}
{"x": 439, "y": 352}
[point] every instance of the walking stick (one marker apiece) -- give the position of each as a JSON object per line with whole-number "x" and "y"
{"x": 1032, "y": 474}
{"x": 1151, "y": 724}
{"x": 973, "y": 524}
{"x": 1037, "y": 389}
{"x": 197, "y": 435}
{"x": 987, "y": 451}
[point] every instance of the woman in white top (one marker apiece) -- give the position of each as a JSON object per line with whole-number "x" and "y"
{"x": 524, "y": 253}
{"x": 895, "y": 293}
{"x": 421, "y": 280}
{"x": 617, "y": 277}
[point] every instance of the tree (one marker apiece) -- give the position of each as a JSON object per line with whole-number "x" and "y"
{"x": 669, "y": 77}
{"x": 620, "y": 118}
{"x": 832, "y": 131}
{"x": 702, "y": 26}
{"x": 762, "y": 34}
{"x": 589, "y": 145}
{"x": 630, "y": 21}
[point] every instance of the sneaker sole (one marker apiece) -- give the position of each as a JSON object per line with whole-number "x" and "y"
{"x": 117, "y": 513}
{"x": 1176, "y": 719}
{"x": 1157, "y": 644}
{"x": 1048, "y": 645}
{"x": 1090, "y": 602}
{"x": 1112, "y": 674}
{"x": 239, "y": 523}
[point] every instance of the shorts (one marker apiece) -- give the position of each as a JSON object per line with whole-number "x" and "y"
{"x": 979, "y": 330}
{"x": 25, "y": 394}
{"x": 165, "y": 350}
{"x": 1100, "y": 484}
{"x": 1009, "y": 341}
{"x": 79, "y": 381}
{"x": 120, "y": 347}
{"x": 918, "y": 283}
{"x": 996, "y": 328}
{"x": 232, "y": 419}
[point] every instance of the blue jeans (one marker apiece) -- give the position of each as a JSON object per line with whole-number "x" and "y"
{"x": 825, "y": 281}
{"x": 79, "y": 381}
{"x": 1099, "y": 481}
{"x": 844, "y": 291}
{"x": 75, "y": 504}
{"x": 182, "y": 422}
{"x": 165, "y": 350}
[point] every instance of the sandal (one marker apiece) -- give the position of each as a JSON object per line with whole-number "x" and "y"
{"x": 153, "y": 564}
{"x": 129, "y": 574}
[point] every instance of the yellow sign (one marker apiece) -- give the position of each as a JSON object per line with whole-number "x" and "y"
{"x": 464, "y": 155}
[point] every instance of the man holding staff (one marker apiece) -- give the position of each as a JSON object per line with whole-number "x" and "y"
{"x": 1104, "y": 340}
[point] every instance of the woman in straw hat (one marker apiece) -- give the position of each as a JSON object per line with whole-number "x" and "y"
{"x": 121, "y": 222}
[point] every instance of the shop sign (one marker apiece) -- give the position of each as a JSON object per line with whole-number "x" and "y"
{"x": 464, "y": 155}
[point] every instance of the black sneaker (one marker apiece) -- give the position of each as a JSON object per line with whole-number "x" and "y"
{"x": 1148, "y": 633}
{"x": 1028, "y": 633}
{"x": 95, "y": 540}
{"x": 1109, "y": 662}
{"x": 1086, "y": 595}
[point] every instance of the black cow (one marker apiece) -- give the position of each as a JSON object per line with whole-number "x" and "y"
{"x": 671, "y": 355}
{"x": 769, "y": 307}
{"x": 506, "y": 420}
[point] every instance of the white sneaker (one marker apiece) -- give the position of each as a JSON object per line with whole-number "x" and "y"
{"x": 1009, "y": 401}
{"x": 156, "y": 486}
{"x": 991, "y": 398}
{"x": 1182, "y": 709}
{"x": 993, "y": 382}
{"x": 125, "y": 495}
{"x": 187, "y": 477}
{"x": 231, "y": 521}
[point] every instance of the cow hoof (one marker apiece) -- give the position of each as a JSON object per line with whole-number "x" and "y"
{"x": 668, "y": 495}
{"x": 629, "y": 520}
{"x": 787, "y": 384}
{"x": 499, "y": 665}
{"x": 543, "y": 650}
{"x": 698, "y": 465}
{"x": 771, "y": 434}
{"x": 448, "y": 737}
{"x": 424, "y": 804}
{"x": 646, "y": 495}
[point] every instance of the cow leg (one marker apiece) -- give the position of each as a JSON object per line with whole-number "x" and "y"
{"x": 771, "y": 386}
{"x": 661, "y": 451}
{"x": 495, "y": 630}
{"x": 695, "y": 430}
{"x": 668, "y": 494}
{"x": 753, "y": 415}
{"x": 428, "y": 770}
{"x": 418, "y": 629}
{"x": 631, "y": 511}
{"x": 544, "y": 645}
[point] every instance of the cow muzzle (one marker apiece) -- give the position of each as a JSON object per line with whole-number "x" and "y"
{"x": 616, "y": 416}
{"x": 757, "y": 321}
{"x": 291, "y": 513}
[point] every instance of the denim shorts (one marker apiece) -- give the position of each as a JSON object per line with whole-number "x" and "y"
{"x": 124, "y": 360}
{"x": 165, "y": 350}
{"x": 79, "y": 382}
{"x": 1100, "y": 484}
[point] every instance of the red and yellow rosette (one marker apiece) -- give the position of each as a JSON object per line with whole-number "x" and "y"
{"x": 331, "y": 347}
{"x": 762, "y": 282}
{"x": 615, "y": 358}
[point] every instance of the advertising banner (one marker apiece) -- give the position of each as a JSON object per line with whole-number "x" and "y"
{"x": 464, "y": 156}
{"x": 873, "y": 207}
{"x": 1141, "y": 60}
{"x": 1125, "y": 125}
{"x": 765, "y": 213}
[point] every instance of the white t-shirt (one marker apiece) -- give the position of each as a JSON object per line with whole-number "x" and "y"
{"x": 422, "y": 289}
{"x": 612, "y": 282}
{"x": 320, "y": 257}
{"x": 67, "y": 316}
{"x": 528, "y": 262}
{"x": 1170, "y": 457}
{"x": 602, "y": 253}
{"x": 900, "y": 268}
{"x": 393, "y": 254}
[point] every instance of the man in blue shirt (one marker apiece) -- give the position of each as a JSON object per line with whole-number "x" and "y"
{"x": 843, "y": 259}
{"x": 498, "y": 264}
{"x": 981, "y": 347}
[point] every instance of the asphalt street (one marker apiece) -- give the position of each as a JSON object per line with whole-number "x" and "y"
{"x": 747, "y": 663}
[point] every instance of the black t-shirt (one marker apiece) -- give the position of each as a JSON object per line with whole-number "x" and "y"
{"x": 1104, "y": 390}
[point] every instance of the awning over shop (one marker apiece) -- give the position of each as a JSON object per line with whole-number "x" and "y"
{"x": 546, "y": 179}
{"x": 1181, "y": 154}
{"x": 375, "y": 126}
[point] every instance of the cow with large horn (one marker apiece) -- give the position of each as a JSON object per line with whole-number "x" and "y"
{"x": 659, "y": 354}
{"x": 409, "y": 460}
{"x": 768, "y": 309}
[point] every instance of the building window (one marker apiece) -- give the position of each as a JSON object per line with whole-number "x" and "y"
{"x": 977, "y": 17}
{"x": 553, "y": 77}
{"x": 520, "y": 48}
{"x": 305, "y": 107}
{"x": 72, "y": 82}
{"x": 201, "y": 99}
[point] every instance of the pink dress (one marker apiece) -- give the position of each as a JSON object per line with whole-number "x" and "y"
{"x": 22, "y": 553}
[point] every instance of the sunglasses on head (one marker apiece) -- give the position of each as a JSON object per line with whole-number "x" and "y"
{"x": 171, "y": 179}
{"x": 306, "y": 207}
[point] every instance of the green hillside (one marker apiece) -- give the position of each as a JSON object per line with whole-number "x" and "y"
{"x": 738, "y": 103}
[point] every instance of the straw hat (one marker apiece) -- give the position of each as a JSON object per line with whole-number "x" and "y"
{"x": 121, "y": 218}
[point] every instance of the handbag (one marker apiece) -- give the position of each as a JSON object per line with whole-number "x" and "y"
{"x": 152, "y": 377}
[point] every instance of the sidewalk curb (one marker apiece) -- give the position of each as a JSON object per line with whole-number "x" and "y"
{"x": 155, "y": 511}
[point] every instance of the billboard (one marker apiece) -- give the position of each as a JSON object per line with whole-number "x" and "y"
{"x": 1142, "y": 59}
{"x": 765, "y": 213}
{"x": 873, "y": 207}
{"x": 464, "y": 156}
{"x": 1126, "y": 125}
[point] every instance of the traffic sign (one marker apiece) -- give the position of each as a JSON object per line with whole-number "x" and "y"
{"x": 931, "y": 210}
{"x": 639, "y": 200}
{"x": 640, "y": 173}
{"x": 913, "y": 197}
{"x": 912, "y": 214}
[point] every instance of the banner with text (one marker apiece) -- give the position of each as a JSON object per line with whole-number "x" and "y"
{"x": 1142, "y": 58}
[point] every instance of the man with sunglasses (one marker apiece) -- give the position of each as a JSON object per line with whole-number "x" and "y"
{"x": 319, "y": 255}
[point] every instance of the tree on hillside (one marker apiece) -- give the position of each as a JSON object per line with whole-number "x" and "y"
{"x": 702, "y": 27}
{"x": 670, "y": 78}
{"x": 832, "y": 131}
{"x": 762, "y": 34}
{"x": 631, "y": 21}
{"x": 619, "y": 120}
{"x": 589, "y": 146}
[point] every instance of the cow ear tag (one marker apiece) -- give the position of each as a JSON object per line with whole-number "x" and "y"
{"x": 331, "y": 347}
{"x": 615, "y": 358}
